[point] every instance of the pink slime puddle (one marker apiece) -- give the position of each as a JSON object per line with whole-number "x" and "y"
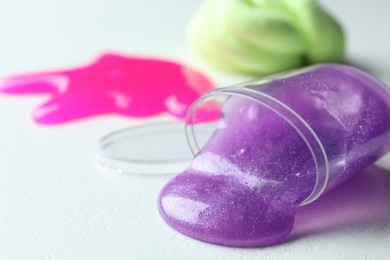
{"x": 129, "y": 86}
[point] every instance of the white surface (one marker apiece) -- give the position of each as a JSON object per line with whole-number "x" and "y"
{"x": 57, "y": 204}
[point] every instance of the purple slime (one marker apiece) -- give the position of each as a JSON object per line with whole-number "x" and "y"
{"x": 246, "y": 184}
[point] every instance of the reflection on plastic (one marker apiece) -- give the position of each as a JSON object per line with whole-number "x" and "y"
{"x": 362, "y": 201}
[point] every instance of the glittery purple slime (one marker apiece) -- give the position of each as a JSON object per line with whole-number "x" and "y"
{"x": 246, "y": 184}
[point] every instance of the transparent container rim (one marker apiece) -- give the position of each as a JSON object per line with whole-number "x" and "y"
{"x": 285, "y": 112}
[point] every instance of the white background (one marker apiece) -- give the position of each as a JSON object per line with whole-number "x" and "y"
{"x": 57, "y": 204}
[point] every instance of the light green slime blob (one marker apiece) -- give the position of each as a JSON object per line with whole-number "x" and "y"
{"x": 265, "y": 36}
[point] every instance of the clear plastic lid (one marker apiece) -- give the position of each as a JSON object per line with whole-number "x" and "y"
{"x": 149, "y": 149}
{"x": 154, "y": 148}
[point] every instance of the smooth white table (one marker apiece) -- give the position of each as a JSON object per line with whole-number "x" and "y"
{"x": 56, "y": 203}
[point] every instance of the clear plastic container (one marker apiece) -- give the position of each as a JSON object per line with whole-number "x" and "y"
{"x": 341, "y": 113}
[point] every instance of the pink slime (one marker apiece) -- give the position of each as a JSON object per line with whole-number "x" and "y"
{"x": 129, "y": 86}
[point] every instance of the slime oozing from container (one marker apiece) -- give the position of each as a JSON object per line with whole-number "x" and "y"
{"x": 129, "y": 86}
{"x": 246, "y": 184}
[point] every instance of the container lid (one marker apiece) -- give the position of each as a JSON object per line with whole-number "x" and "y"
{"x": 153, "y": 149}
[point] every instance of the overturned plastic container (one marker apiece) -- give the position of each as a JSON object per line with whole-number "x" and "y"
{"x": 341, "y": 114}
{"x": 272, "y": 145}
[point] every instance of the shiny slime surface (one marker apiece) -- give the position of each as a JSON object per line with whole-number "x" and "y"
{"x": 129, "y": 86}
{"x": 246, "y": 184}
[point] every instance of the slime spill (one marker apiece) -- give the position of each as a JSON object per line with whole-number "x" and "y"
{"x": 129, "y": 86}
{"x": 246, "y": 184}
{"x": 244, "y": 187}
